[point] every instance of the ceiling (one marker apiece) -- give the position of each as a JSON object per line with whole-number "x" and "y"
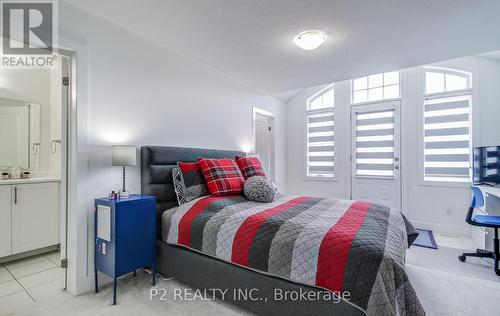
{"x": 252, "y": 41}
{"x": 492, "y": 55}
{"x": 287, "y": 95}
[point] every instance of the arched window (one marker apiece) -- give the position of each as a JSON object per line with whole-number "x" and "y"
{"x": 320, "y": 134}
{"x": 446, "y": 125}
{"x": 440, "y": 80}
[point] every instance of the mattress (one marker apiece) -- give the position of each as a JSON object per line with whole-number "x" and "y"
{"x": 352, "y": 248}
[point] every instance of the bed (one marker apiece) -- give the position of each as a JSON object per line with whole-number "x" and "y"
{"x": 261, "y": 274}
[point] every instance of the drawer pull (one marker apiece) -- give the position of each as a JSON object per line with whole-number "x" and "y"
{"x": 15, "y": 195}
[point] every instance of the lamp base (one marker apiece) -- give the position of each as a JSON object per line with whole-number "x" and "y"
{"x": 124, "y": 194}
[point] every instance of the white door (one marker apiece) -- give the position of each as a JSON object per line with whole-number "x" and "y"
{"x": 264, "y": 143}
{"x": 35, "y": 211}
{"x": 376, "y": 153}
{"x": 5, "y": 237}
{"x": 14, "y": 136}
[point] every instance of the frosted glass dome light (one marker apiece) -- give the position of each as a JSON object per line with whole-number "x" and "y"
{"x": 309, "y": 40}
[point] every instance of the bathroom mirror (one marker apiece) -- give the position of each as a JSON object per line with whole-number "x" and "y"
{"x": 19, "y": 134}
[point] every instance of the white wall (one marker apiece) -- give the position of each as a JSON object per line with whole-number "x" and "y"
{"x": 425, "y": 205}
{"x": 31, "y": 85}
{"x": 133, "y": 91}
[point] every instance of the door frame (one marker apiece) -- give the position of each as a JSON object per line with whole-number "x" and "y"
{"x": 377, "y": 106}
{"x": 68, "y": 193}
{"x": 258, "y": 111}
{"x": 68, "y": 160}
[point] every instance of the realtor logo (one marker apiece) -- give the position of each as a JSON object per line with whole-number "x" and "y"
{"x": 27, "y": 27}
{"x": 28, "y": 33}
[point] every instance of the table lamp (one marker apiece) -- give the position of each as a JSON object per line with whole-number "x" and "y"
{"x": 124, "y": 155}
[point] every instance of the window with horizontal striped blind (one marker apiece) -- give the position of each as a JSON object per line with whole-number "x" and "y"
{"x": 375, "y": 143}
{"x": 447, "y": 137}
{"x": 320, "y": 134}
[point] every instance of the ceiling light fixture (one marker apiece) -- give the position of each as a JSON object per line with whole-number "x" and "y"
{"x": 309, "y": 40}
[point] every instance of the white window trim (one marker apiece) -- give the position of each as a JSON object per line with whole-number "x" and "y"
{"x": 422, "y": 97}
{"x": 308, "y": 177}
{"x": 351, "y": 92}
{"x": 455, "y": 93}
{"x": 320, "y": 178}
{"x": 378, "y": 101}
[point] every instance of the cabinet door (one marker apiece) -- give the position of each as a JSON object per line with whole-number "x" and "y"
{"x": 5, "y": 223}
{"x": 35, "y": 214}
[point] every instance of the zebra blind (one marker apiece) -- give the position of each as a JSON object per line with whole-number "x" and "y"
{"x": 375, "y": 143}
{"x": 320, "y": 143}
{"x": 447, "y": 139}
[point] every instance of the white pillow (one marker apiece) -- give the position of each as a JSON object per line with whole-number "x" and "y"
{"x": 259, "y": 189}
{"x": 179, "y": 186}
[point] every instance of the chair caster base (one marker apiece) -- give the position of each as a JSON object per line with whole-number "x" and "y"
{"x": 462, "y": 258}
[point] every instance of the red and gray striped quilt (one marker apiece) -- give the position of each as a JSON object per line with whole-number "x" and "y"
{"x": 339, "y": 245}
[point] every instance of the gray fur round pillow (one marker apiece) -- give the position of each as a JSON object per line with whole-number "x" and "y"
{"x": 259, "y": 189}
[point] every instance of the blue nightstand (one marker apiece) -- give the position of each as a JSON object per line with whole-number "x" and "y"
{"x": 124, "y": 236}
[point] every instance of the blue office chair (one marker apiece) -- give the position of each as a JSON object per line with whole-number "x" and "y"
{"x": 482, "y": 221}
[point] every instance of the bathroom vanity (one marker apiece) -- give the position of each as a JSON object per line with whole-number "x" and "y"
{"x": 29, "y": 208}
{"x": 29, "y": 215}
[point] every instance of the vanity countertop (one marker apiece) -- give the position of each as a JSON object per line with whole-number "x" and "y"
{"x": 30, "y": 180}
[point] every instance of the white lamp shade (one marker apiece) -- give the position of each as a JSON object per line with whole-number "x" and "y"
{"x": 124, "y": 155}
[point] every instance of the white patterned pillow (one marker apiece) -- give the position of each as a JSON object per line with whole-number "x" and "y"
{"x": 179, "y": 186}
{"x": 259, "y": 189}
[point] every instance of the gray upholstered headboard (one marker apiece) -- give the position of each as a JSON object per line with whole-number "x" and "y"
{"x": 157, "y": 163}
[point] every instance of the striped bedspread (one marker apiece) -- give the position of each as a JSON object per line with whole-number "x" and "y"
{"x": 339, "y": 245}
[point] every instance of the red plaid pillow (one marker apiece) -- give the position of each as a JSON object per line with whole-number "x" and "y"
{"x": 223, "y": 177}
{"x": 250, "y": 166}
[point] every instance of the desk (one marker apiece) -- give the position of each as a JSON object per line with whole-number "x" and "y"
{"x": 483, "y": 237}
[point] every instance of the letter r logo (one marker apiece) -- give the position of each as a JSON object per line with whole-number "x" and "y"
{"x": 27, "y": 27}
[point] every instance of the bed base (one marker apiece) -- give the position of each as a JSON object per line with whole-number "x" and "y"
{"x": 204, "y": 272}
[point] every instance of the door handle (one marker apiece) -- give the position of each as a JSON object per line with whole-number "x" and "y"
{"x": 53, "y": 145}
{"x": 15, "y": 195}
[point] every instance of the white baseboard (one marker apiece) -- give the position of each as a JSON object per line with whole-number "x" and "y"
{"x": 443, "y": 229}
{"x": 29, "y": 253}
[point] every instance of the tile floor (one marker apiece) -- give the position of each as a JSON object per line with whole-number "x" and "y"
{"x": 21, "y": 279}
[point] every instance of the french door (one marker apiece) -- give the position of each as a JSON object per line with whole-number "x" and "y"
{"x": 375, "y": 153}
